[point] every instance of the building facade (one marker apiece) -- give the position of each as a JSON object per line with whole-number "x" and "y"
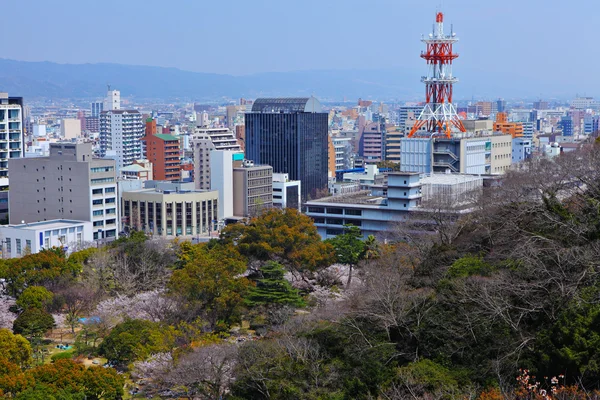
{"x": 205, "y": 140}
{"x": 286, "y": 193}
{"x": 169, "y": 211}
{"x": 23, "y": 239}
{"x": 252, "y": 189}
{"x": 291, "y": 135}
{"x": 120, "y": 134}
{"x": 164, "y": 152}
{"x": 12, "y": 134}
{"x": 68, "y": 184}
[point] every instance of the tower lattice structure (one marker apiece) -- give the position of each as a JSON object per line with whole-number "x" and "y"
{"x": 439, "y": 114}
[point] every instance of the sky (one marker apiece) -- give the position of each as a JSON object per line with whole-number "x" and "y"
{"x": 525, "y": 39}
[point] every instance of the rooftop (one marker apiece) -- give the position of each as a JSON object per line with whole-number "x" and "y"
{"x": 52, "y": 224}
{"x": 166, "y": 138}
{"x": 362, "y": 197}
{"x": 448, "y": 179}
{"x": 287, "y": 105}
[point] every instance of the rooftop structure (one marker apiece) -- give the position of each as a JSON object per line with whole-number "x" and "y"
{"x": 287, "y": 105}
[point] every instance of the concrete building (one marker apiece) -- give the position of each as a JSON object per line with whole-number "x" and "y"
{"x": 591, "y": 124}
{"x": 393, "y": 144}
{"x": 291, "y": 135}
{"x": 39, "y": 130}
{"x": 252, "y": 189}
{"x": 139, "y": 170}
{"x": 68, "y": 184}
{"x": 566, "y": 124}
{"x": 221, "y": 178}
{"x": 408, "y": 112}
{"x": 286, "y": 193}
{"x": 112, "y": 100}
{"x": 96, "y": 109}
{"x": 22, "y": 239}
{"x": 342, "y": 147}
{"x": 164, "y": 152}
{"x": 515, "y": 129}
{"x": 203, "y": 142}
{"x": 120, "y": 134}
{"x": 170, "y": 211}
{"x": 70, "y": 128}
{"x": 372, "y": 142}
{"x": 12, "y": 134}
{"x": 521, "y": 149}
{"x": 584, "y": 103}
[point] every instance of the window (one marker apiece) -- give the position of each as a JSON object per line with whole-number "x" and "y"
{"x": 98, "y": 223}
{"x": 47, "y": 243}
{"x": 97, "y": 202}
{"x": 109, "y": 190}
{"x": 102, "y": 169}
{"x": 18, "y": 244}
{"x": 102, "y": 180}
{"x": 97, "y": 191}
{"x": 110, "y": 201}
{"x": 28, "y": 246}
{"x": 98, "y": 213}
{"x": 8, "y": 245}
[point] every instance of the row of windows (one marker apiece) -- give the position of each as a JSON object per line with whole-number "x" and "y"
{"x": 18, "y": 245}
{"x": 110, "y": 200}
{"x": 338, "y": 211}
{"x": 102, "y": 169}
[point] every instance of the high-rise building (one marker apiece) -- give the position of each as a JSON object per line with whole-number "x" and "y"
{"x": 68, "y": 184}
{"x": 12, "y": 134}
{"x": 204, "y": 141}
{"x": 112, "y": 100}
{"x": 286, "y": 193}
{"x": 120, "y": 134}
{"x": 591, "y": 124}
{"x": 372, "y": 142}
{"x": 290, "y": 134}
{"x": 540, "y": 105}
{"x": 500, "y": 105}
{"x": 164, "y": 152}
{"x": 566, "y": 123}
{"x": 96, "y": 109}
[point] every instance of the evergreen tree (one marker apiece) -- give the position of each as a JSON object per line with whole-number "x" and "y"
{"x": 272, "y": 288}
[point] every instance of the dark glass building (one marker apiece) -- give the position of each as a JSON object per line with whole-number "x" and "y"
{"x": 290, "y": 134}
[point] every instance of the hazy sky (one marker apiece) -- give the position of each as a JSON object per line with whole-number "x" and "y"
{"x": 533, "y": 38}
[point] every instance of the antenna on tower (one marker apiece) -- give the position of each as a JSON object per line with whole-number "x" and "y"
{"x": 108, "y": 86}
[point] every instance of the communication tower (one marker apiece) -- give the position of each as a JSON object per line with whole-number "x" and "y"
{"x": 439, "y": 114}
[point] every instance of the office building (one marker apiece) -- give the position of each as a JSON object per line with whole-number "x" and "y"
{"x": 120, "y": 134}
{"x": 96, "y": 109}
{"x": 521, "y": 149}
{"x": 591, "y": 124}
{"x": 12, "y": 134}
{"x": 566, "y": 124}
{"x": 342, "y": 148}
{"x": 286, "y": 193}
{"x": 540, "y": 105}
{"x": 205, "y": 140}
{"x": 170, "y": 210}
{"x": 70, "y": 128}
{"x": 252, "y": 189}
{"x": 68, "y": 184}
{"x": 372, "y": 142}
{"x": 290, "y": 134}
{"x": 501, "y": 105}
{"x": 31, "y": 238}
{"x": 163, "y": 151}
{"x": 584, "y": 103}
{"x": 408, "y": 112}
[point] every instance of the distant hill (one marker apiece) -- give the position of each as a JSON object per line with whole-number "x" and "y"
{"x": 47, "y": 79}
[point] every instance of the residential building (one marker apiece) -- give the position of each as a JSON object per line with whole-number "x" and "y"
{"x": 203, "y": 142}
{"x": 68, "y": 184}
{"x": 372, "y": 142}
{"x": 18, "y": 240}
{"x": 408, "y": 112}
{"x": 501, "y": 154}
{"x": 120, "y": 134}
{"x": 12, "y": 134}
{"x": 164, "y": 152}
{"x": 290, "y": 134}
{"x": 252, "y": 189}
{"x": 221, "y": 178}
{"x": 286, "y": 193}
{"x": 591, "y": 124}
{"x": 515, "y": 129}
{"x": 393, "y": 144}
{"x": 540, "y": 105}
{"x": 566, "y": 124}
{"x": 342, "y": 147}
{"x": 584, "y": 103}
{"x": 168, "y": 210}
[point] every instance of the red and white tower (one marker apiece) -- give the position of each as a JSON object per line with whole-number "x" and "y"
{"x": 439, "y": 114}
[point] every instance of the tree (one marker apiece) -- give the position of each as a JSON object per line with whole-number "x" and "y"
{"x": 285, "y": 236}
{"x": 33, "y": 321}
{"x": 103, "y": 383}
{"x": 205, "y": 373}
{"x": 12, "y": 379}
{"x": 272, "y": 288}
{"x": 35, "y": 297}
{"x": 210, "y": 282}
{"x": 349, "y": 248}
{"x": 134, "y": 340}
{"x": 14, "y": 348}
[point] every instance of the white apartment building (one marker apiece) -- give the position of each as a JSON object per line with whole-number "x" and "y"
{"x": 205, "y": 140}
{"x": 112, "y": 100}
{"x": 120, "y": 134}
{"x": 11, "y": 133}
{"x": 286, "y": 192}
{"x": 343, "y": 152}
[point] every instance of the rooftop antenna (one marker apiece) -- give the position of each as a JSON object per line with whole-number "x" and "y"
{"x": 108, "y": 86}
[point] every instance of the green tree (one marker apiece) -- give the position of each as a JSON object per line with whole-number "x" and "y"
{"x": 349, "y": 248}
{"x": 14, "y": 348}
{"x": 272, "y": 288}
{"x": 35, "y": 297}
{"x": 209, "y": 281}
{"x": 135, "y": 339}
{"x": 285, "y": 236}
{"x": 12, "y": 379}
{"x": 33, "y": 321}
{"x": 103, "y": 383}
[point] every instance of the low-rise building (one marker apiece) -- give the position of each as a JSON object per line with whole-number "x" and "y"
{"x": 170, "y": 210}
{"x": 22, "y": 239}
{"x": 252, "y": 189}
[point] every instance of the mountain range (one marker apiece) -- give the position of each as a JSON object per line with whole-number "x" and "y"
{"x": 53, "y": 80}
